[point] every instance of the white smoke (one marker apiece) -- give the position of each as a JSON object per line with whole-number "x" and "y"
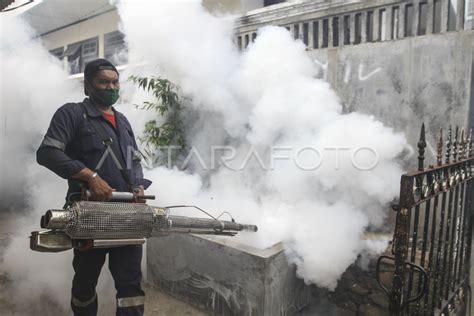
{"x": 263, "y": 99}
{"x": 33, "y": 86}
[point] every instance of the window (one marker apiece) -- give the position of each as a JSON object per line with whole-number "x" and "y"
{"x": 325, "y": 33}
{"x": 422, "y": 18}
{"x": 382, "y": 24}
{"x": 358, "y": 28}
{"x": 266, "y": 3}
{"x": 395, "y": 25}
{"x": 370, "y": 26}
{"x": 305, "y": 33}
{"x": 79, "y": 54}
{"x": 335, "y": 32}
{"x": 114, "y": 48}
{"x": 437, "y": 16}
{"x": 452, "y": 14}
{"x": 57, "y": 52}
{"x": 347, "y": 30}
{"x": 315, "y": 34}
{"x": 409, "y": 20}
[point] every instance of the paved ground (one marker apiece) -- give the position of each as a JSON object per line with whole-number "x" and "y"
{"x": 157, "y": 302}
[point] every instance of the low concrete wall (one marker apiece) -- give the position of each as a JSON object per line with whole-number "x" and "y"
{"x": 224, "y": 277}
{"x": 406, "y": 82}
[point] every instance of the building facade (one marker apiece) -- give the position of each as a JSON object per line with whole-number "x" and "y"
{"x": 77, "y": 32}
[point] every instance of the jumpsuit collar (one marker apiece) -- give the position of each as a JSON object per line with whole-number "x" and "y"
{"x": 92, "y": 110}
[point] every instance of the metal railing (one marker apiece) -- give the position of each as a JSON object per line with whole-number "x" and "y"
{"x": 320, "y": 24}
{"x": 433, "y": 232}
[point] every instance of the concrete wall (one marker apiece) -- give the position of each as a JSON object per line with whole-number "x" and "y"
{"x": 405, "y": 82}
{"x": 233, "y": 6}
{"x": 224, "y": 277}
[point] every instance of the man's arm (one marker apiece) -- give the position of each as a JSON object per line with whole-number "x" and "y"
{"x": 51, "y": 153}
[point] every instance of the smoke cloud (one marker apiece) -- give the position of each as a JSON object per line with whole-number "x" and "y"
{"x": 33, "y": 85}
{"x": 264, "y": 101}
{"x": 266, "y": 104}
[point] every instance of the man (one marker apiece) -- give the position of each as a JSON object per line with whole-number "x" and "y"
{"x": 88, "y": 143}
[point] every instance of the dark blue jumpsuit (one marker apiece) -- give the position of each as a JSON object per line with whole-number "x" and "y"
{"x": 70, "y": 144}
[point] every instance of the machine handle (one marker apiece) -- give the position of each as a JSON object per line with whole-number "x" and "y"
{"x": 125, "y": 196}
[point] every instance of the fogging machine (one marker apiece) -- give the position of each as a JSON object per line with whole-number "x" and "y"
{"x": 87, "y": 224}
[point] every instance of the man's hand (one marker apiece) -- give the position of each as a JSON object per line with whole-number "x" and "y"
{"x": 140, "y": 191}
{"x": 101, "y": 191}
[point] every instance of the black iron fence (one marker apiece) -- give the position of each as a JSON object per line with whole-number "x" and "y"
{"x": 433, "y": 232}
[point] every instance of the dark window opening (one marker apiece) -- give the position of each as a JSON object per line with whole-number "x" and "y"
{"x": 246, "y": 42}
{"x": 114, "y": 48}
{"x": 358, "y": 28}
{"x": 395, "y": 22}
{"x": 335, "y": 32}
{"x": 370, "y": 26}
{"x": 305, "y": 34}
{"x": 437, "y": 16}
{"x": 422, "y": 18}
{"x": 347, "y": 30}
{"x": 296, "y": 31}
{"x": 315, "y": 34}
{"x": 239, "y": 42}
{"x": 266, "y": 3}
{"x": 408, "y": 20}
{"x": 254, "y": 37}
{"x": 325, "y": 33}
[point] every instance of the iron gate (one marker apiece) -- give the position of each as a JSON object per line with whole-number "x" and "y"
{"x": 432, "y": 240}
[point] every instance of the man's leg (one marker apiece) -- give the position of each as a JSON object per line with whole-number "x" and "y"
{"x": 87, "y": 266}
{"x": 125, "y": 266}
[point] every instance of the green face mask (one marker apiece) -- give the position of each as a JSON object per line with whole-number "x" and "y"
{"x": 106, "y": 97}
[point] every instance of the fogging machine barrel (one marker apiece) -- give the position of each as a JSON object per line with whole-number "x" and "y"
{"x": 109, "y": 220}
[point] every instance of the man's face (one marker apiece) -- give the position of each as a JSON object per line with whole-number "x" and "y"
{"x": 106, "y": 79}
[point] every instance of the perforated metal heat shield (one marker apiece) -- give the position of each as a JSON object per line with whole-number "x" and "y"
{"x": 96, "y": 220}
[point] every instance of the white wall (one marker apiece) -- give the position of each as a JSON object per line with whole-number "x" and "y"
{"x": 232, "y": 6}
{"x": 248, "y": 5}
{"x": 97, "y": 26}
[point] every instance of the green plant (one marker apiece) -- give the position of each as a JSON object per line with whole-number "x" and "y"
{"x": 168, "y": 105}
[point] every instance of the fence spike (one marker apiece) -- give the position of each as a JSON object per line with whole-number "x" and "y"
{"x": 466, "y": 145}
{"x": 421, "y": 148}
{"x": 455, "y": 145}
{"x": 470, "y": 143}
{"x": 461, "y": 145}
{"x": 448, "y": 145}
{"x": 439, "y": 156}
